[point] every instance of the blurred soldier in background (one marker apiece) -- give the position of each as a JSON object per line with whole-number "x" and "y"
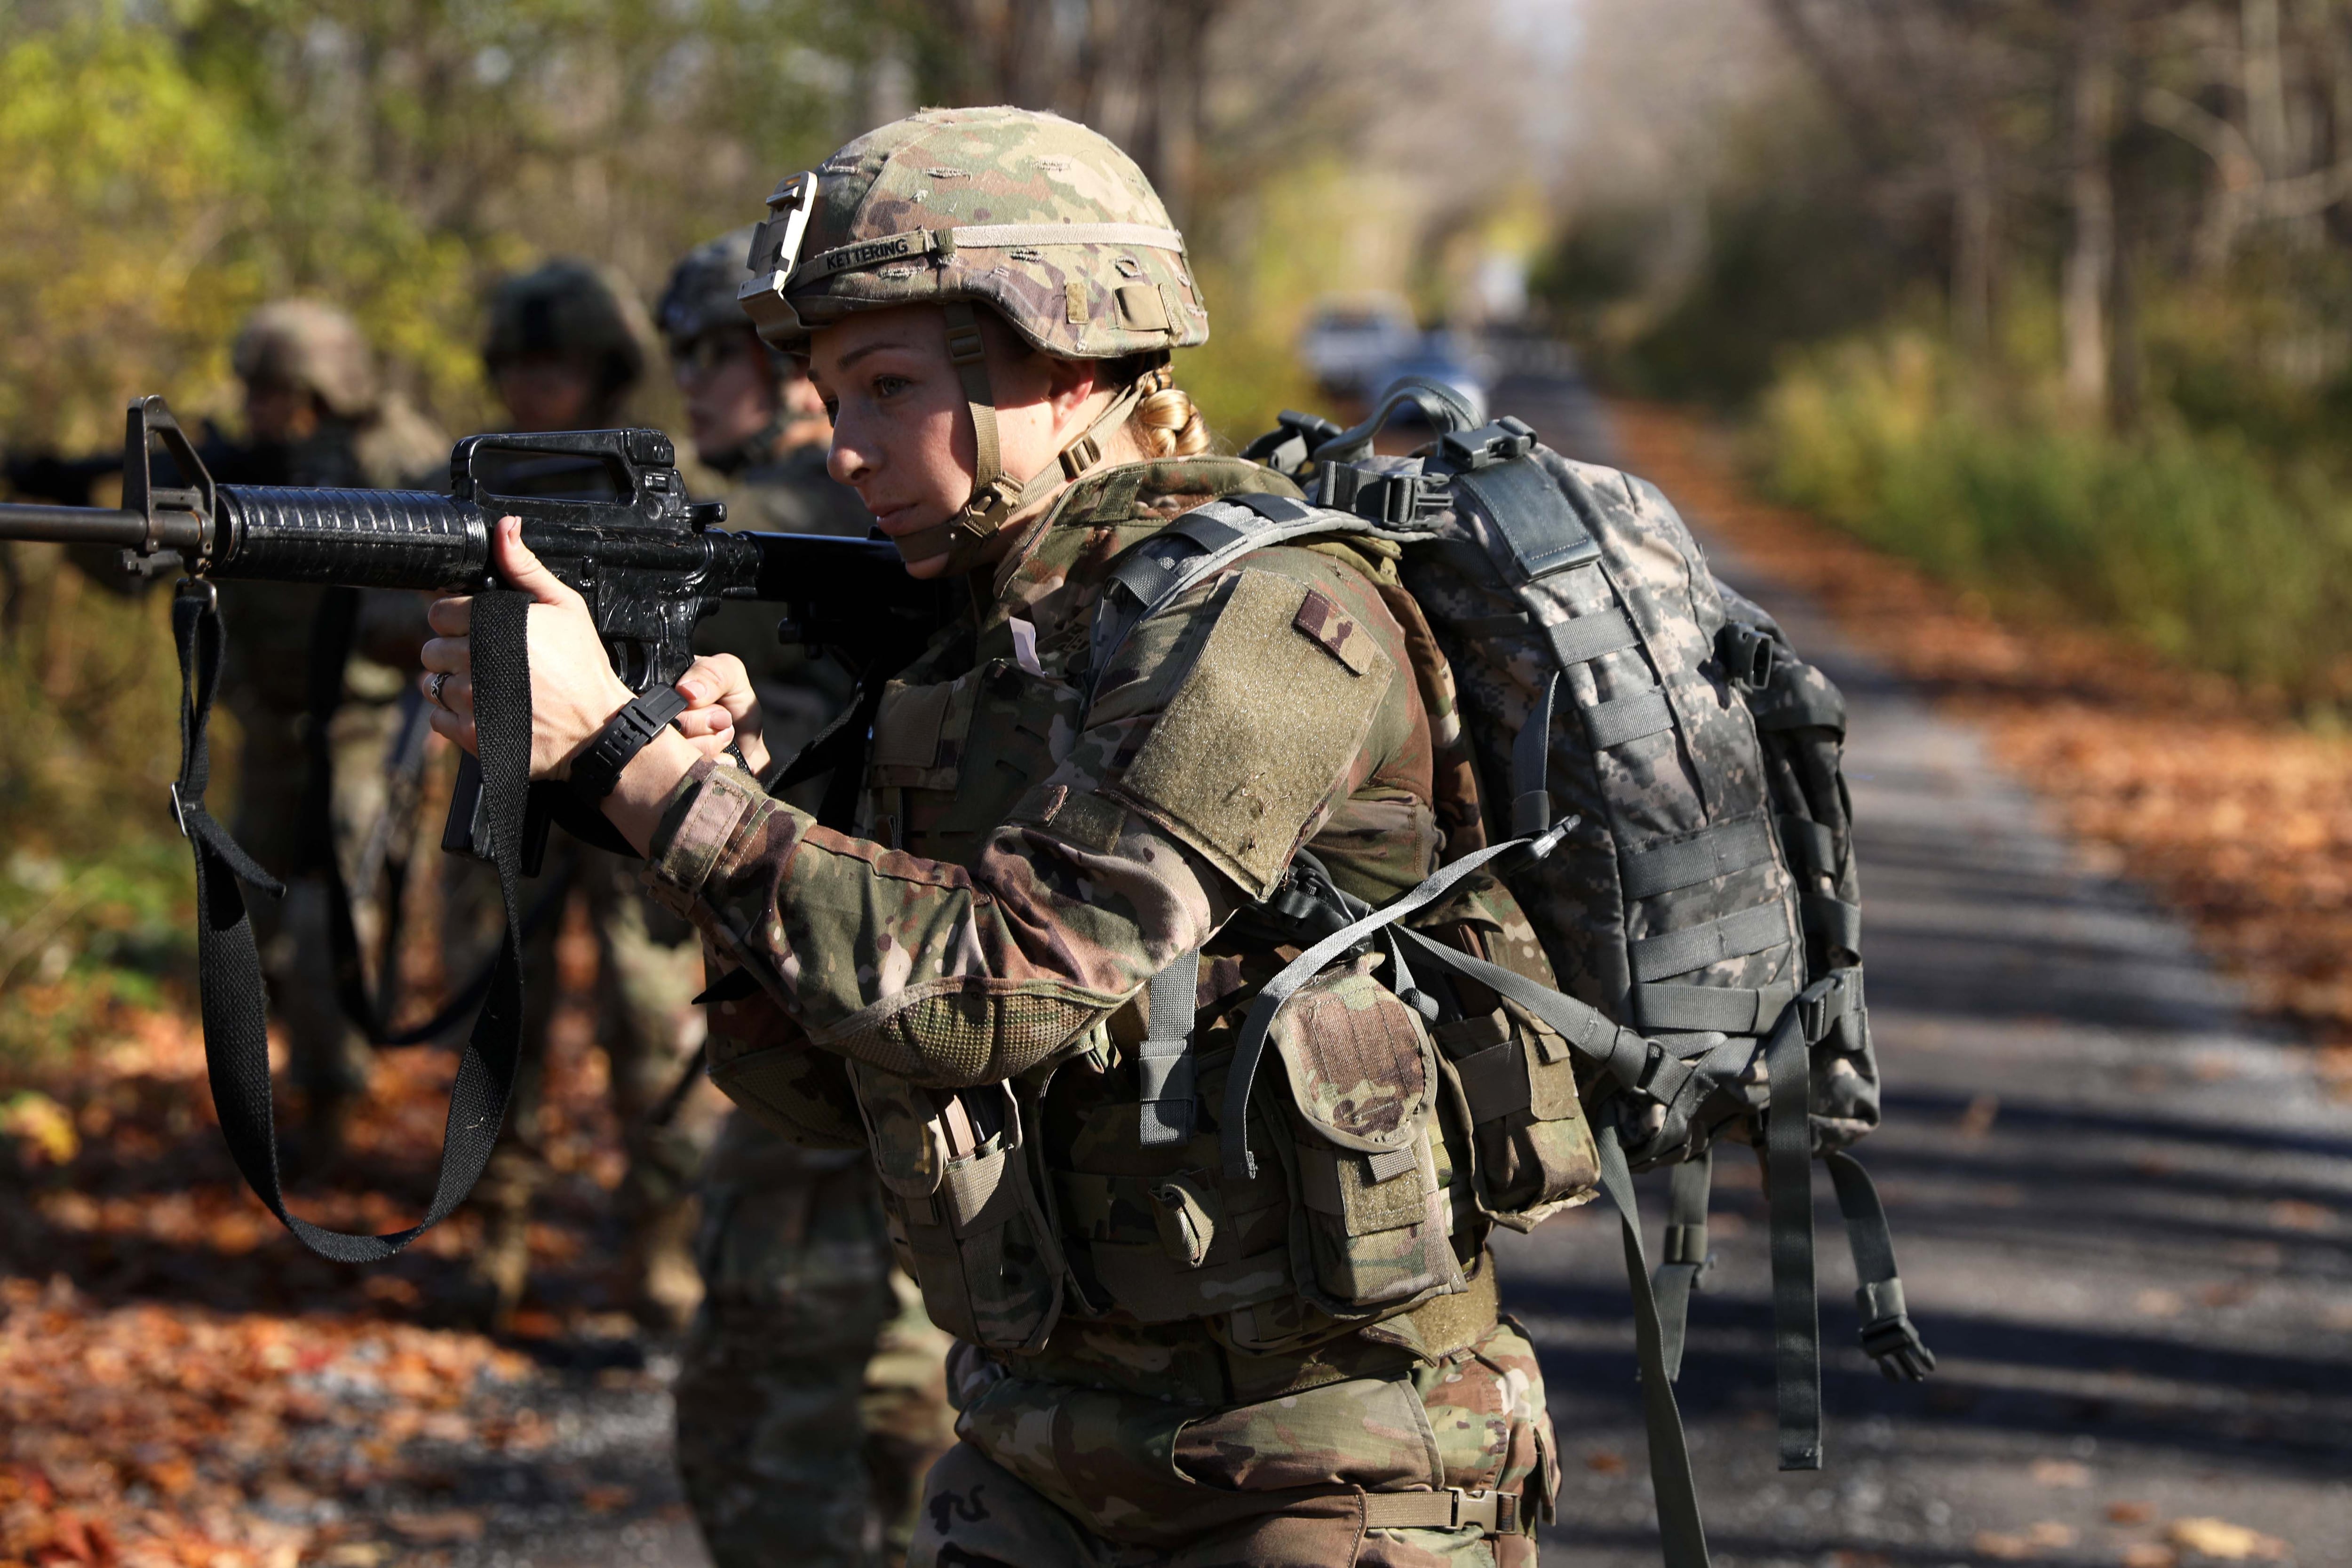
{"x": 807, "y": 1332}
{"x": 568, "y": 344}
{"x": 315, "y": 413}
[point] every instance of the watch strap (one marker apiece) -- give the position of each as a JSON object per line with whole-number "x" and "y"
{"x": 597, "y": 770}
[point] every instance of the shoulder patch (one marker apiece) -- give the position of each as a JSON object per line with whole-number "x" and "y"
{"x": 1262, "y": 727}
{"x": 1336, "y": 631}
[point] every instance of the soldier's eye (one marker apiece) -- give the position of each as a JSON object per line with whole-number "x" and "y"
{"x": 832, "y": 407}
{"x": 886, "y": 386}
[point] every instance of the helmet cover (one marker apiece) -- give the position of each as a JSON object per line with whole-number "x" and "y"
{"x": 312, "y": 346}
{"x": 1036, "y": 216}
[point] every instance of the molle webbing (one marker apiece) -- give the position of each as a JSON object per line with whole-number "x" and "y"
{"x": 1695, "y": 947}
{"x": 1582, "y": 639}
{"x": 1687, "y": 862}
{"x": 1164, "y": 1063}
{"x": 1726, "y": 1009}
{"x": 1624, "y": 719}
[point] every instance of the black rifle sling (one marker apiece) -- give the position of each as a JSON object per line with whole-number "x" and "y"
{"x": 233, "y": 998}
{"x": 333, "y": 634}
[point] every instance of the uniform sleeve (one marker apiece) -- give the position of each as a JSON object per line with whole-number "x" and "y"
{"x": 1222, "y": 736}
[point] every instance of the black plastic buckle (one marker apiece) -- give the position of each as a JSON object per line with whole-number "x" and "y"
{"x": 1823, "y": 1004}
{"x": 1747, "y": 655}
{"x": 1507, "y": 437}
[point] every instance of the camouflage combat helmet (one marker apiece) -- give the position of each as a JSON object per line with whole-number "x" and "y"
{"x": 1038, "y": 218}
{"x": 701, "y": 296}
{"x": 571, "y": 307}
{"x": 313, "y": 346}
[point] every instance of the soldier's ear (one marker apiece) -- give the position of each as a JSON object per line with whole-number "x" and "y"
{"x": 1070, "y": 382}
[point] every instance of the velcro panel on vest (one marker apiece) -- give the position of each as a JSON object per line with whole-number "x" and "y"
{"x": 1733, "y": 936}
{"x": 1260, "y": 731}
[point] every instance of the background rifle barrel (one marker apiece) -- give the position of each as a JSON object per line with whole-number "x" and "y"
{"x": 79, "y": 525}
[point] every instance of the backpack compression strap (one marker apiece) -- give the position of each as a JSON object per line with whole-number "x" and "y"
{"x": 232, "y": 996}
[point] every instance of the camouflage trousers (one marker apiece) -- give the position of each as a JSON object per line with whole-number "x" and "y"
{"x": 649, "y": 967}
{"x": 328, "y": 1058}
{"x": 812, "y": 1395}
{"x": 1053, "y": 1476}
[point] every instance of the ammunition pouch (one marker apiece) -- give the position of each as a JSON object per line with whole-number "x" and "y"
{"x": 962, "y": 1206}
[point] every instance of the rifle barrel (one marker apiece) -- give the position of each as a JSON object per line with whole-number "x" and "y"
{"x": 89, "y": 525}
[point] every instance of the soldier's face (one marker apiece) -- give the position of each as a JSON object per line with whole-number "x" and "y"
{"x": 902, "y": 432}
{"x": 728, "y": 388}
{"x": 546, "y": 391}
{"x": 276, "y": 411}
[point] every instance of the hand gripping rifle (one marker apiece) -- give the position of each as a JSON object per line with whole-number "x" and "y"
{"x": 613, "y": 522}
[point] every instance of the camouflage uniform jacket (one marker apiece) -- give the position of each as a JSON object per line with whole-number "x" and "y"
{"x": 1033, "y": 856}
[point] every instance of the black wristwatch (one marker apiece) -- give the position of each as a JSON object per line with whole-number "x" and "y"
{"x": 596, "y": 769}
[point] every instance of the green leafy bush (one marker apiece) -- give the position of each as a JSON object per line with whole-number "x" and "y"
{"x": 2214, "y": 554}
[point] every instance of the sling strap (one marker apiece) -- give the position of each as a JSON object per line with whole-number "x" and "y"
{"x": 1681, "y": 1531}
{"x": 233, "y": 999}
{"x": 1887, "y": 1333}
{"x": 1796, "y": 1304}
{"x": 333, "y": 634}
{"x": 1250, "y": 1047}
{"x": 1685, "y": 1262}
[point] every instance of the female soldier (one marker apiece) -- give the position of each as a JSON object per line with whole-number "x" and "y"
{"x": 1163, "y": 1361}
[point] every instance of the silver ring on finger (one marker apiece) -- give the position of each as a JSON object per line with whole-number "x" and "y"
{"x": 433, "y": 689}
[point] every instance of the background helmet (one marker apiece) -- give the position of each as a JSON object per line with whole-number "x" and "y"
{"x": 701, "y": 296}
{"x": 312, "y": 346}
{"x": 571, "y": 308}
{"x": 1037, "y": 217}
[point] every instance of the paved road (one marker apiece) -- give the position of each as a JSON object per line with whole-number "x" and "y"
{"x": 2125, "y": 1217}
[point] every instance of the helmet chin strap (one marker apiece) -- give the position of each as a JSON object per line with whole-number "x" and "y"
{"x": 996, "y": 496}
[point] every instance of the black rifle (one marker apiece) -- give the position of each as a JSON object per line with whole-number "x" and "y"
{"x": 619, "y": 530}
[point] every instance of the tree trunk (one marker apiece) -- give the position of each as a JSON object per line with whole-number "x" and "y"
{"x": 1972, "y": 243}
{"x": 2090, "y": 189}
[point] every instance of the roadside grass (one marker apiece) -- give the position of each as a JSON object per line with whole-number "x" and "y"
{"x": 2210, "y": 553}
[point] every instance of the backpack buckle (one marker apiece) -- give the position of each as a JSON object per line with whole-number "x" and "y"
{"x": 1507, "y": 437}
{"x": 1747, "y": 655}
{"x": 1828, "y": 1002}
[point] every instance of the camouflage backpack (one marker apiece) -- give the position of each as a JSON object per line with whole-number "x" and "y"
{"x": 1679, "y": 837}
